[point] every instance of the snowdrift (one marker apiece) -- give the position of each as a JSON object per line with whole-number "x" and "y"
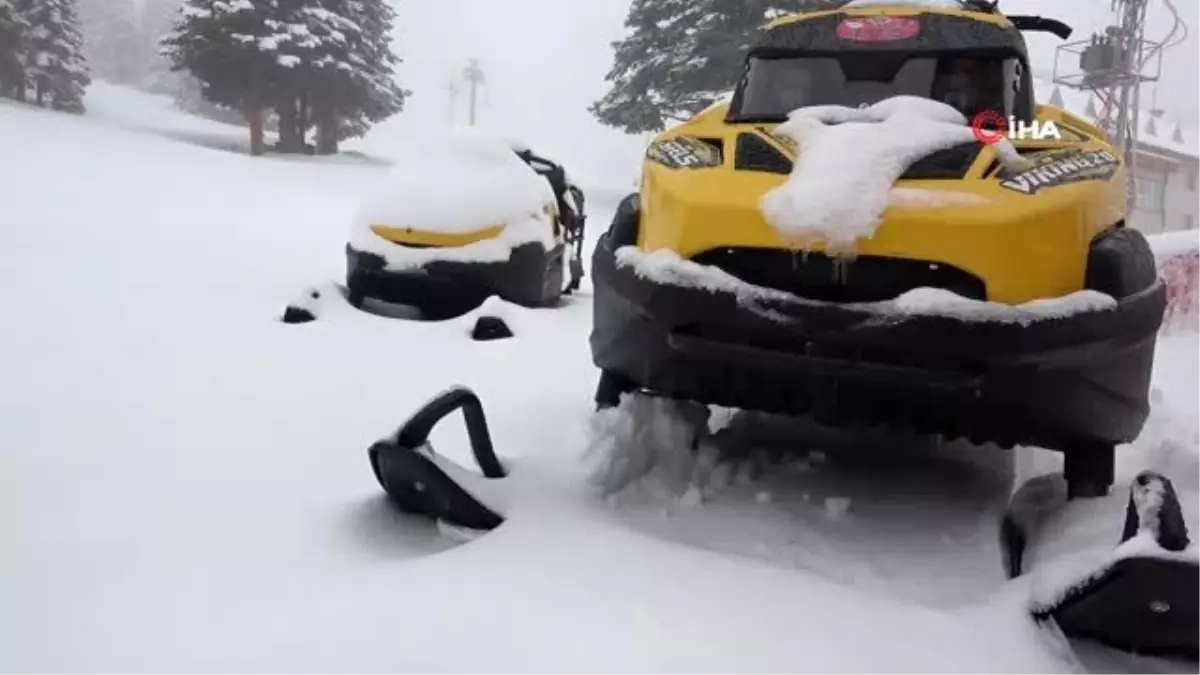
{"x": 1177, "y": 255}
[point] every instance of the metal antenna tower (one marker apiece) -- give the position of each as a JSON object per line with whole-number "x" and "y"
{"x": 1112, "y": 66}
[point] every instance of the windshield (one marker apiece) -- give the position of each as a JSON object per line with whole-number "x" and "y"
{"x": 775, "y": 86}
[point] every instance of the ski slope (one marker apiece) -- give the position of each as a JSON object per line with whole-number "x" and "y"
{"x": 185, "y": 484}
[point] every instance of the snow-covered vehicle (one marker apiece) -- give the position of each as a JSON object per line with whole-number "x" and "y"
{"x": 467, "y": 217}
{"x": 868, "y": 259}
{"x": 844, "y": 239}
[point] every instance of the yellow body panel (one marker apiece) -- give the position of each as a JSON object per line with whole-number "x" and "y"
{"x": 398, "y": 234}
{"x": 1023, "y": 246}
{"x": 407, "y": 235}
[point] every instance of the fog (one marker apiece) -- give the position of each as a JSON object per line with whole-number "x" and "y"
{"x": 545, "y": 62}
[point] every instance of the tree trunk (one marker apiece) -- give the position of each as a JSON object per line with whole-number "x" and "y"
{"x": 304, "y": 122}
{"x": 254, "y": 116}
{"x": 290, "y": 138}
{"x": 39, "y": 92}
{"x": 327, "y": 140}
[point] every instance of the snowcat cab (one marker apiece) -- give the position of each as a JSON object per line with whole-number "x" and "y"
{"x": 824, "y": 334}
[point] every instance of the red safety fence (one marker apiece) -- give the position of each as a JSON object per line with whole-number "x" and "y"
{"x": 1178, "y": 257}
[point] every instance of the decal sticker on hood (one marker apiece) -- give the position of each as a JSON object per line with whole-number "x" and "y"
{"x": 1060, "y": 168}
{"x": 684, "y": 152}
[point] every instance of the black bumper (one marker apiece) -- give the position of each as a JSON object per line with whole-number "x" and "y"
{"x": 532, "y": 276}
{"x": 1053, "y": 383}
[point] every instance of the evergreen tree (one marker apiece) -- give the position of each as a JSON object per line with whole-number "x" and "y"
{"x": 322, "y": 63}
{"x": 12, "y": 64}
{"x": 231, "y": 48}
{"x": 340, "y": 70}
{"x": 111, "y": 40}
{"x": 682, "y": 55}
{"x": 314, "y": 41}
{"x": 360, "y": 89}
{"x": 53, "y": 53}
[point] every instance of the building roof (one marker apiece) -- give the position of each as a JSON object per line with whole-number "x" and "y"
{"x": 1159, "y": 132}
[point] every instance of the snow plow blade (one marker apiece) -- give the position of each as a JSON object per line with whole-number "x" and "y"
{"x": 1145, "y": 600}
{"x": 422, "y": 483}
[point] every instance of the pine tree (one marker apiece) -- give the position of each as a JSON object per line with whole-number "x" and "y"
{"x": 355, "y": 84}
{"x": 338, "y": 71}
{"x": 313, "y": 40}
{"x": 53, "y": 53}
{"x": 231, "y": 47}
{"x": 681, "y": 56}
{"x": 323, "y": 63}
{"x": 112, "y": 41}
{"x": 12, "y": 65}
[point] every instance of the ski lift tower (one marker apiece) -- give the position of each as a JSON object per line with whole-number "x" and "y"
{"x": 1112, "y": 66}
{"x": 474, "y": 77}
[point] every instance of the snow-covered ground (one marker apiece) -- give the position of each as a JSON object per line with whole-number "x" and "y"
{"x": 185, "y": 484}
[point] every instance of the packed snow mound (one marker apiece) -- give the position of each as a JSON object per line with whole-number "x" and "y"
{"x": 457, "y": 182}
{"x": 633, "y": 452}
{"x": 848, "y": 160}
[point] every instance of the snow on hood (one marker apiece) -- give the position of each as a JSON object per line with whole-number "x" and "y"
{"x": 848, "y": 160}
{"x": 459, "y": 181}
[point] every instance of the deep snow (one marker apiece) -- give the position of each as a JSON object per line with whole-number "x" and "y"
{"x": 186, "y": 485}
